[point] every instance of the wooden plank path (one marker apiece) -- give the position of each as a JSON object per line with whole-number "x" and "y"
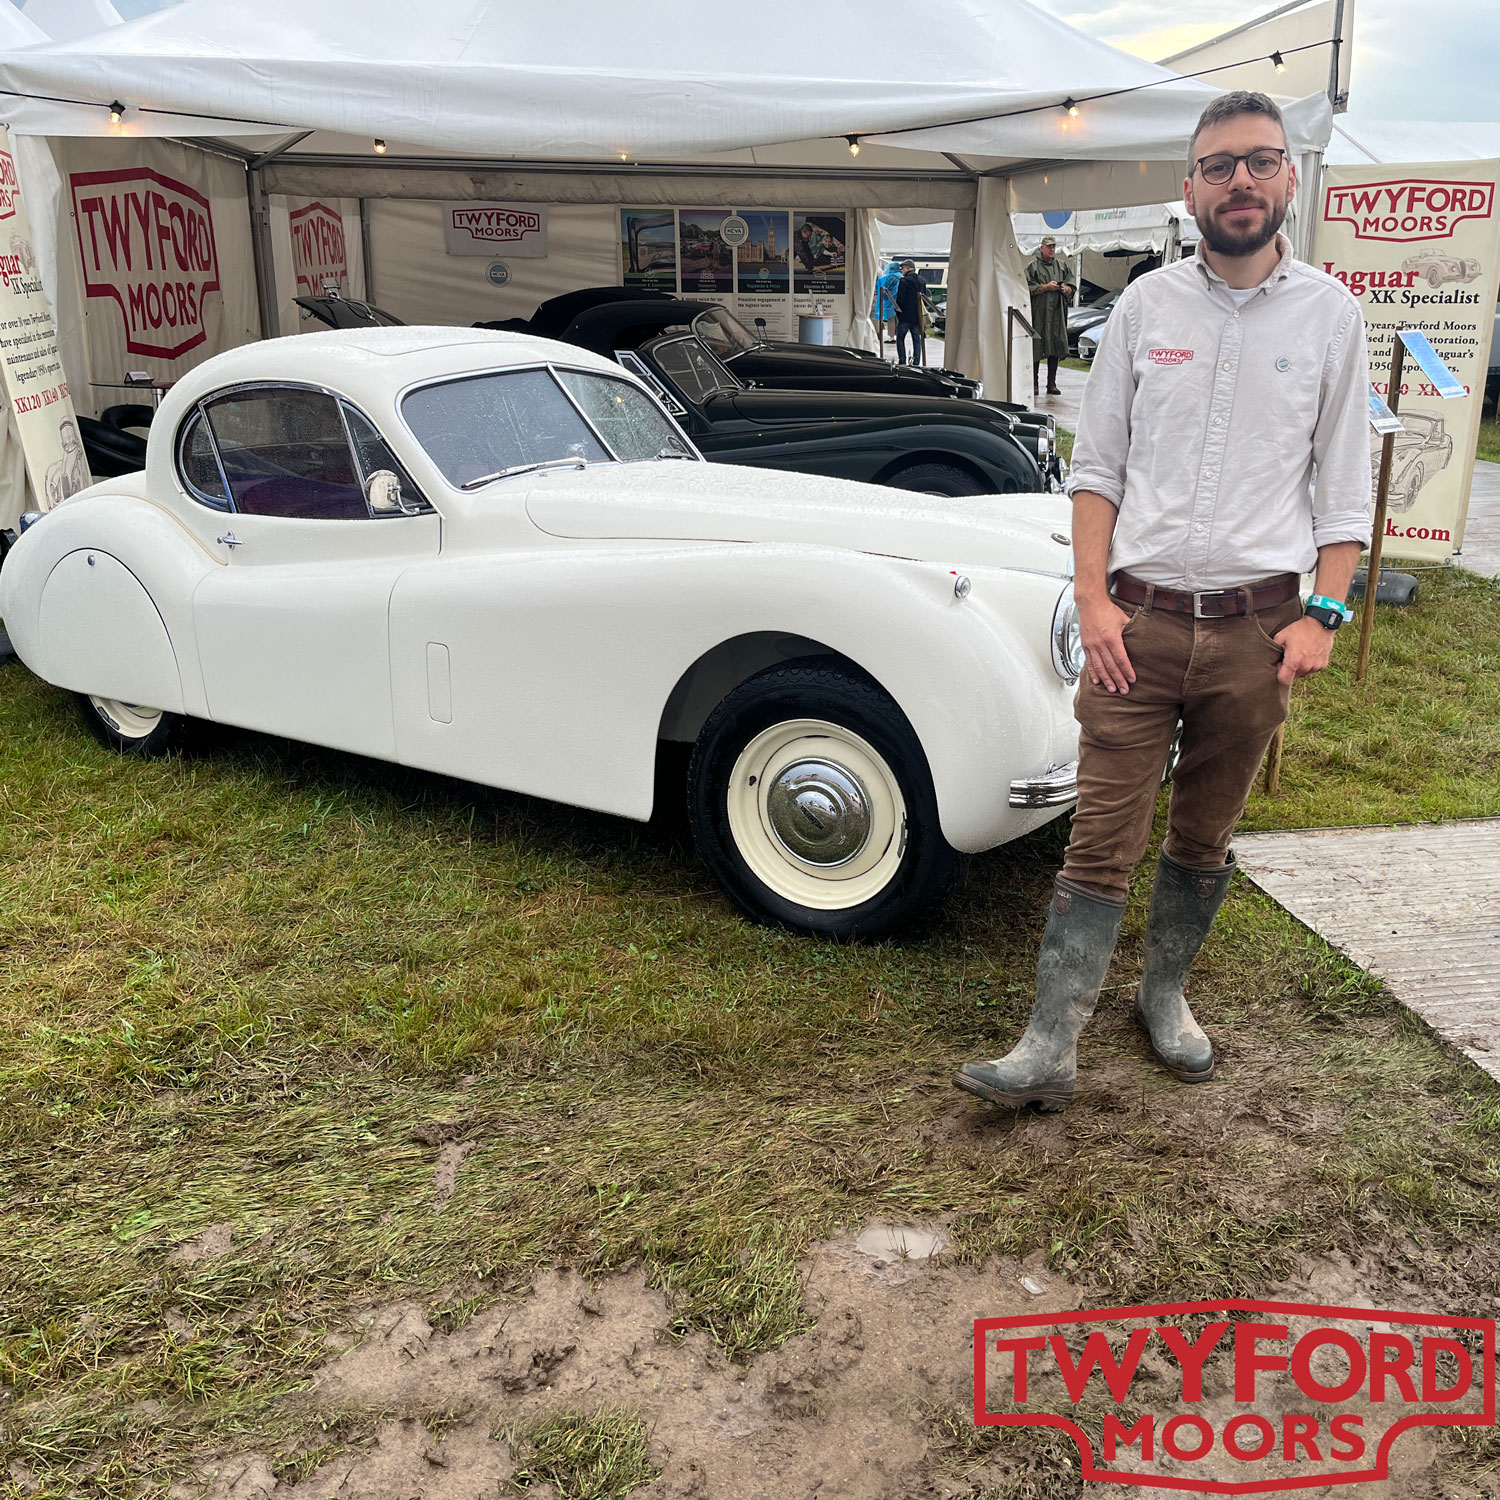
{"x": 1419, "y": 906}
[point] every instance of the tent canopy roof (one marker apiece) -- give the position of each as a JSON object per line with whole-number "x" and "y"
{"x": 587, "y": 82}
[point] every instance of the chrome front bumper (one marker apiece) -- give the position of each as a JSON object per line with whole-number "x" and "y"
{"x": 1055, "y": 787}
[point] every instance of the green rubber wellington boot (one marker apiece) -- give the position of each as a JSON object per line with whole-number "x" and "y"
{"x": 1184, "y": 903}
{"x": 1076, "y": 947}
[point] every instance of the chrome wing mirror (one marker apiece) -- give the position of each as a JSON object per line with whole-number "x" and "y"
{"x": 383, "y": 495}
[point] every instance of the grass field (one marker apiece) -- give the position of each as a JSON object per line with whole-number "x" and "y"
{"x": 252, "y": 990}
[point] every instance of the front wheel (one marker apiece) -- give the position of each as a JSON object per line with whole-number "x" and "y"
{"x": 128, "y": 728}
{"x": 812, "y": 804}
{"x": 937, "y": 479}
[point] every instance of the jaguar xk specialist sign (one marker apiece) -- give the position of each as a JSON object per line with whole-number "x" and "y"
{"x": 1419, "y": 247}
{"x": 1234, "y": 1397}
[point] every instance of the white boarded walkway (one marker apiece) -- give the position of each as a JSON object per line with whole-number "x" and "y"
{"x": 1418, "y": 906}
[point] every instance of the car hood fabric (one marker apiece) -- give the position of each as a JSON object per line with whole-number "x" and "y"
{"x": 675, "y": 501}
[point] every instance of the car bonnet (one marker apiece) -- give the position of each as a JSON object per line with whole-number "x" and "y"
{"x": 674, "y": 501}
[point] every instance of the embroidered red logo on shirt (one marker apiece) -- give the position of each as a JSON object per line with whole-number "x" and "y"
{"x": 1170, "y": 356}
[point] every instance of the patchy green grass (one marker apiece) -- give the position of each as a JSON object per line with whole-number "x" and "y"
{"x": 1489, "y": 440}
{"x": 584, "y": 1456}
{"x": 257, "y": 985}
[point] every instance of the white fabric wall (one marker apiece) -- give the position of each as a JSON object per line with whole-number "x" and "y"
{"x": 986, "y": 276}
{"x": 415, "y": 278}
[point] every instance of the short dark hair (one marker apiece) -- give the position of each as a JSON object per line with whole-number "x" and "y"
{"x": 1227, "y": 107}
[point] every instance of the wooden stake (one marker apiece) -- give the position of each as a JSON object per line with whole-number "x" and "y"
{"x": 1382, "y": 493}
{"x": 1272, "y": 782}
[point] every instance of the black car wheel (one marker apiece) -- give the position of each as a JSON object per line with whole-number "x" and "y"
{"x": 812, "y": 804}
{"x": 129, "y": 728}
{"x": 937, "y": 479}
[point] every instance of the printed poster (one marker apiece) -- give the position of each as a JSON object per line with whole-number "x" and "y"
{"x": 648, "y": 249}
{"x": 707, "y": 261}
{"x": 764, "y": 257}
{"x": 32, "y": 366}
{"x": 1419, "y": 247}
{"x": 818, "y": 254}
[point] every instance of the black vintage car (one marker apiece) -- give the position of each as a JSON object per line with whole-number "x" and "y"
{"x": 929, "y": 443}
{"x": 759, "y": 361}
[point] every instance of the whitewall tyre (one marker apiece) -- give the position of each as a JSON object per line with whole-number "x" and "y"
{"x": 129, "y": 728}
{"x": 811, "y": 803}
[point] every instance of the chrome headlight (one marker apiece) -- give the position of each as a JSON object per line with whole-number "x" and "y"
{"x": 1043, "y": 448}
{"x": 1067, "y": 638}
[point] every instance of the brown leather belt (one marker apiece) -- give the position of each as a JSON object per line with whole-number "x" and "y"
{"x": 1211, "y": 604}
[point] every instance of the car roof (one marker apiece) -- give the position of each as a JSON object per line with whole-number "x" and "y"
{"x": 370, "y": 365}
{"x": 599, "y": 327}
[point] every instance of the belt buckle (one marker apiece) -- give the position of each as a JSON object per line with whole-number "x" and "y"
{"x": 1208, "y": 594}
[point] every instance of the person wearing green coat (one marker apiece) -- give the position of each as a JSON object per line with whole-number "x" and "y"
{"x": 1050, "y": 279}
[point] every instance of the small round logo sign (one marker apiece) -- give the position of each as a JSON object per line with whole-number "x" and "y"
{"x": 499, "y": 273}
{"x": 734, "y": 230}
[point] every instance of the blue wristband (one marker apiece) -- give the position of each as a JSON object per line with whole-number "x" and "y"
{"x": 1322, "y": 601}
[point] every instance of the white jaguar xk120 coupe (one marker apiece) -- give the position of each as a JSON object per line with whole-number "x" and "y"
{"x": 498, "y": 558}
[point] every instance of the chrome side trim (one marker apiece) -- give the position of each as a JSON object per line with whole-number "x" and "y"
{"x": 1055, "y": 787}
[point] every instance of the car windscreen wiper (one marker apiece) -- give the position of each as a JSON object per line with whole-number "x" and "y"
{"x": 674, "y": 453}
{"x": 531, "y": 468}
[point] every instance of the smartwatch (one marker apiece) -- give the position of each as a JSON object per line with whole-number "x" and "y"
{"x": 1329, "y": 613}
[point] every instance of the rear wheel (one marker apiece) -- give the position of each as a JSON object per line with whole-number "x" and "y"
{"x": 812, "y": 804}
{"x": 937, "y": 479}
{"x": 129, "y": 728}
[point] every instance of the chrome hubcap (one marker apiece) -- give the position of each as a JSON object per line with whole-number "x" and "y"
{"x": 819, "y": 811}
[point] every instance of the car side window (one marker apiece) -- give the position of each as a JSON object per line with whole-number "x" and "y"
{"x": 199, "y": 465}
{"x": 374, "y": 453}
{"x": 627, "y": 419}
{"x": 285, "y": 452}
{"x": 697, "y": 374}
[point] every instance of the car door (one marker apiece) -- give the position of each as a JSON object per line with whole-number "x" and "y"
{"x": 293, "y": 633}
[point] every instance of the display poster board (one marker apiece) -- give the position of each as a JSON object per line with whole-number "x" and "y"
{"x": 768, "y": 266}
{"x": 35, "y": 384}
{"x": 495, "y": 229}
{"x": 1419, "y": 246}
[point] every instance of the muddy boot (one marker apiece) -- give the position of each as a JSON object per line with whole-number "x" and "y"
{"x": 1184, "y": 904}
{"x": 1053, "y": 389}
{"x": 1076, "y": 947}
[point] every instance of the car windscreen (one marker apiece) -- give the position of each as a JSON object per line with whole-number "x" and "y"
{"x": 724, "y": 333}
{"x": 630, "y": 422}
{"x": 688, "y": 364}
{"x": 483, "y": 424}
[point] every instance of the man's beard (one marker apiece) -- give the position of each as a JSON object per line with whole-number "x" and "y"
{"x": 1238, "y": 242}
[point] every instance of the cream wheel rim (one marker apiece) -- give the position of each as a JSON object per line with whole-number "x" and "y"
{"x": 131, "y": 721}
{"x": 817, "y": 814}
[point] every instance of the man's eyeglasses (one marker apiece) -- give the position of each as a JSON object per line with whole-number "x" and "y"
{"x": 1219, "y": 168}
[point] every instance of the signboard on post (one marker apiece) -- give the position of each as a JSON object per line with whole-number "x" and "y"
{"x": 1419, "y": 246}
{"x": 32, "y": 368}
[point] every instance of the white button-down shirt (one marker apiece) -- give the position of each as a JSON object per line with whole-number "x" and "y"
{"x": 1203, "y": 422}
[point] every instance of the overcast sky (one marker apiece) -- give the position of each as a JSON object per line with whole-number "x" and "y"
{"x": 1413, "y": 59}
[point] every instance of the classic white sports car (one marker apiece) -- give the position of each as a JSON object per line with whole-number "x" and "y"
{"x": 497, "y": 557}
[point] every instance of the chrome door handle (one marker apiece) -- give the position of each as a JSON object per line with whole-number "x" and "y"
{"x": 230, "y": 540}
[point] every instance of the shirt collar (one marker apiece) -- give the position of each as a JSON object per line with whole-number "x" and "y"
{"x": 1282, "y": 271}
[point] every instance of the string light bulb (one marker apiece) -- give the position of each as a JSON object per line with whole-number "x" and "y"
{"x": 116, "y": 112}
{"x": 853, "y": 144}
{"x": 380, "y": 148}
{"x": 1071, "y": 107}
{"x": 1278, "y": 62}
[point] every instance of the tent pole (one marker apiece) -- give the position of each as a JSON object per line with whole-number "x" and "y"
{"x": 260, "y": 245}
{"x": 365, "y": 250}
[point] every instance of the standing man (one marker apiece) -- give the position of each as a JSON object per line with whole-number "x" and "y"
{"x": 1051, "y": 281}
{"x": 910, "y": 299}
{"x": 1220, "y": 385}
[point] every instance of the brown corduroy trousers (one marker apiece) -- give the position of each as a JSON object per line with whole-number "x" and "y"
{"x": 1218, "y": 677}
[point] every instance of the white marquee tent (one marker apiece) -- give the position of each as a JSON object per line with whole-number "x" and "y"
{"x": 584, "y": 107}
